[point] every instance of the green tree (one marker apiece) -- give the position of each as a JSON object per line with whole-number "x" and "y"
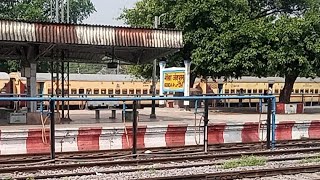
{"x": 285, "y": 46}
{"x": 232, "y": 38}
{"x": 39, "y": 10}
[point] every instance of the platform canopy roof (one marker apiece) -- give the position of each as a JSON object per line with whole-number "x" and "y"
{"x": 86, "y": 43}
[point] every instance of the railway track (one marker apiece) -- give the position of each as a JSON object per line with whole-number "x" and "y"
{"x": 111, "y": 154}
{"x": 122, "y": 158}
{"x": 245, "y": 174}
{"x": 167, "y": 161}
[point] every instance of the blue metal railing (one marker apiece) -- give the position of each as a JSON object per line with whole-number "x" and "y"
{"x": 52, "y": 101}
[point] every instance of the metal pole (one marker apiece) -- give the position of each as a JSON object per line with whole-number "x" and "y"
{"x": 154, "y": 74}
{"x": 52, "y": 79}
{"x": 51, "y": 11}
{"x": 57, "y": 11}
{"x": 57, "y": 84}
{"x": 62, "y": 84}
{"x": 135, "y": 129}
{"x": 205, "y": 128}
{"x": 68, "y": 87}
{"x": 153, "y": 109}
{"x": 68, "y": 11}
{"x": 273, "y": 122}
{"x": 62, "y": 11}
{"x": 52, "y": 130}
{"x": 269, "y": 124}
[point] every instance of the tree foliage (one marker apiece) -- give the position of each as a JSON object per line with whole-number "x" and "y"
{"x": 39, "y": 10}
{"x": 233, "y": 38}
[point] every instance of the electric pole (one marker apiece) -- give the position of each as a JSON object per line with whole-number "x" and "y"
{"x": 154, "y": 74}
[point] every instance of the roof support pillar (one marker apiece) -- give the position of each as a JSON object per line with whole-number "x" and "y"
{"x": 162, "y": 65}
{"x": 29, "y": 70}
{"x": 187, "y": 65}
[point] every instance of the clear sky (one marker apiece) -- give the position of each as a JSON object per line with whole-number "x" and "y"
{"x": 108, "y": 11}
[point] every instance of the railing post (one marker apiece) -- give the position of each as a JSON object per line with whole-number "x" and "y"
{"x": 52, "y": 130}
{"x": 269, "y": 124}
{"x": 135, "y": 129}
{"x": 205, "y": 128}
{"x": 273, "y": 122}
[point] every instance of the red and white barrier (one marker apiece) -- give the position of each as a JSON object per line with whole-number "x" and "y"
{"x": 290, "y": 108}
{"x": 282, "y": 108}
{"x": 85, "y": 139}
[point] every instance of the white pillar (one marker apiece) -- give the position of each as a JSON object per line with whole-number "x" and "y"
{"x": 30, "y": 74}
{"x": 162, "y": 65}
{"x": 187, "y": 65}
{"x": 33, "y": 83}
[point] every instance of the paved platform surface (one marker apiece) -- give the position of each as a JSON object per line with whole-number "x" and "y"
{"x": 165, "y": 116}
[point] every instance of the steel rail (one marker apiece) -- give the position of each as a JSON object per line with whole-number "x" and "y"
{"x": 91, "y": 155}
{"x": 154, "y": 160}
{"x": 211, "y": 175}
{"x": 244, "y": 174}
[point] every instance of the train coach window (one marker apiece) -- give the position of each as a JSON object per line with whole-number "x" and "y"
{"x": 249, "y": 91}
{"x": 103, "y": 91}
{"x": 311, "y": 91}
{"x": 131, "y": 91}
{"x": 157, "y": 91}
{"x": 124, "y": 91}
{"x": 307, "y": 91}
{"x": 81, "y": 91}
{"x": 145, "y": 91}
{"x": 226, "y": 91}
{"x": 66, "y": 91}
{"x": 117, "y": 91}
{"x": 74, "y": 91}
{"x": 260, "y": 91}
{"x": 296, "y": 91}
{"x": 276, "y": 91}
{"x": 110, "y": 91}
{"x": 89, "y": 91}
{"x": 232, "y": 91}
{"x": 254, "y": 91}
{"x": 301, "y": 90}
{"x": 316, "y": 91}
{"x": 138, "y": 91}
{"x": 49, "y": 91}
{"x": 96, "y": 91}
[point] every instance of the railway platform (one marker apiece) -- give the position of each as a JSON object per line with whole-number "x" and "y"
{"x": 165, "y": 116}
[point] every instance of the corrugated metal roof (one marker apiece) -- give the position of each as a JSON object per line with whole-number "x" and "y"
{"x": 19, "y": 31}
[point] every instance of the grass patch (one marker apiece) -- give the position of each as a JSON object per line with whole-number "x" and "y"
{"x": 244, "y": 161}
{"x": 311, "y": 159}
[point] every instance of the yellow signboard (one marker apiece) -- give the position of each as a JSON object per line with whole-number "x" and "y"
{"x": 173, "y": 81}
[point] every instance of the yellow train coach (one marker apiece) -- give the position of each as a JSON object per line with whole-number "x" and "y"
{"x": 93, "y": 85}
{"x": 305, "y": 90}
